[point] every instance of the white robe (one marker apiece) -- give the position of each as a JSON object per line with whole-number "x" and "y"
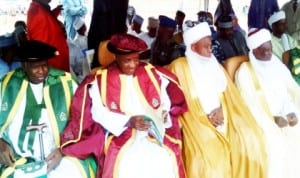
{"x": 66, "y": 166}
{"x": 209, "y": 80}
{"x": 149, "y": 40}
{"x": 282, "y": 144}
{"x": 143, "y": 158}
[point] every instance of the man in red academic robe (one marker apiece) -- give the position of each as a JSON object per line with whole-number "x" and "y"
{"x": 110, "y": 113}
{"x": 43, "y": 26}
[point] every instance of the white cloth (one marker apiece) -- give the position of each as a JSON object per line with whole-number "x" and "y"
{"x": 81, "y": 42}
{"x": 280, "y": 45}
{"x": 258, "y": 38}
{"x": 285, "y": 42}
{"x": 207, "y": 72}
{"x": 276, "y": 17}
{"x": 156, "y": 161}
{"x": 134, "y": 33}
{"x": 282, "y": 144}
{"x": 149, "y": 40}
{"x": 78, "y": 22}
{"x": 76, "y": 60}
{"x": 13, "y": 130}
{"x": 274, "y": 76}
{"x": 209, "y": 80}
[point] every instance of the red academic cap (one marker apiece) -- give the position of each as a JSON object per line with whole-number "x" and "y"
{"x": 126, "y": 44}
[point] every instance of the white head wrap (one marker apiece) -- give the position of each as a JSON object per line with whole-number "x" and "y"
{"x": 196, "y": 33}
{"x": 276, "y": 17}
{"x": 78, "y": 23}
{"x": 257, "y": 38}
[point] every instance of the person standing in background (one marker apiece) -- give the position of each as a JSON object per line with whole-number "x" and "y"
{"x": 43, "y": 25}
{"x": 259, "y": 12}
{"x": 165, "y": 49}
{"x": 108, "y": 18}
{"x": 8, "y": 45}
{"x": 71, "y": 10}
{"x": 281, "y": 41}
{"x": 292, "y": 12}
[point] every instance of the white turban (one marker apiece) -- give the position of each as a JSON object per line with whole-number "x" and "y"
{"x": 78, "y": 23}
{"x": 257, "y": 38}
{"x": 276, "y": 17}
{"x": 196, "y": 33}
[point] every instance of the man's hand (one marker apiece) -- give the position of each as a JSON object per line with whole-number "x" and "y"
{"x": 6, "y": 154}
{"x": 280, "y": 121}
{"x": 53, "y": 159}
{"x": 216, "y": 117}
{"x": 292, "y": 119}
{"x": 139, "y": 123}
{"x": 56, "y": 11}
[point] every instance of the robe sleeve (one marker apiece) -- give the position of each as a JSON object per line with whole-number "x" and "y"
{"x": 111, "y": 121}
{"x": 82, "y": 137}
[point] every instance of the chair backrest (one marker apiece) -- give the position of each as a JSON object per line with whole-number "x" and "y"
{"x": 105, "y": 57}
{"x": 233, "y": 63}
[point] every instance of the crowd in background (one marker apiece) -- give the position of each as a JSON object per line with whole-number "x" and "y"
{"x": 209, "y": 84}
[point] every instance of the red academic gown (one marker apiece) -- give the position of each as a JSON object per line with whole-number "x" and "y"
{"x": 43, "y": 26}
{"x": 82, "y": 130}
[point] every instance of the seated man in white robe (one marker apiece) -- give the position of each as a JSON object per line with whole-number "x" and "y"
{"x": 273, "y": 97}
{"x": 34, "y": 104}
{"x": 218, "y": 130}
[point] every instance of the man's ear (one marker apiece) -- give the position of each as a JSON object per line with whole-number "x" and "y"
{"x": 193, "y": 47}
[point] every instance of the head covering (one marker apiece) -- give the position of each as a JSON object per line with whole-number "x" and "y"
{"x": 19, "y": 29}
{"x": 131, "y": 11}
{"x": 126, "y": 44}
{"x": 276, "y": 17}
{"x": 257, "y": 38}
{"x": 7, "y": 40}
{"x": 34, "y": 51}
{"x": 180, "y": 13}
{"x": 153, "y": 22}
{"x": 196, "y": 33}
{"x": 165, "y": 21}
{"x": 138, "y": 19}
{"x": 225, "y": 21}
{"x": 78, "y": 23}
{"x": 204, "y": 16}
